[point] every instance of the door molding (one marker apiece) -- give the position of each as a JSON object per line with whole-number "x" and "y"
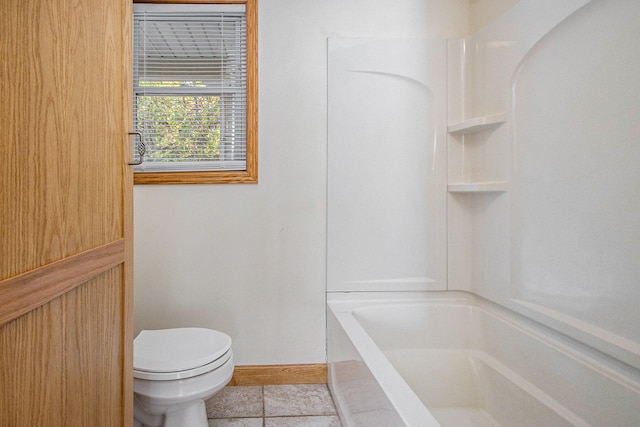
{"x": 28, "y": 291}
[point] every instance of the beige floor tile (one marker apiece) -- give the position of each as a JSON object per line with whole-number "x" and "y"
{"x": 236, "y": 402}
{"x": 298, "y": 399}
{"x": 236, "y": 422}
{"x": 317, "y": 421}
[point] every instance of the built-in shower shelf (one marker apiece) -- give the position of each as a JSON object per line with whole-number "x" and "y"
{"x": 478, "y": 187}
{"x": 477, "y": 124}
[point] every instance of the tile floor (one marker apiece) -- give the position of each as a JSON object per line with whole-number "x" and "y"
{"x": 296, "y": 405}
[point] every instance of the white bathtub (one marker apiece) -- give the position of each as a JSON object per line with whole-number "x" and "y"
{"x": 450, "y": 359}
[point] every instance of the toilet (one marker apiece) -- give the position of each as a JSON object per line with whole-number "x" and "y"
{"x": 175, "y": 371}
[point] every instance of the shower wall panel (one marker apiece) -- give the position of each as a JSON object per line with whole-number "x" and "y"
{"x": 549, "y": 225}
{"x": 386, "y": 161}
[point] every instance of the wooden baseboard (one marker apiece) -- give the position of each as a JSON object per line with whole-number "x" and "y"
{"x": 279, "y": 374}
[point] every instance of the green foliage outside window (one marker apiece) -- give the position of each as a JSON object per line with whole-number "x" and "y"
{"x": 180, "y": 127}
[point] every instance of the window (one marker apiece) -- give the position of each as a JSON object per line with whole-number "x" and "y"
{"x": 195, "y": 92}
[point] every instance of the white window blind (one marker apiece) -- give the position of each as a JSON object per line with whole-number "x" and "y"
{"x": 189, "y": 78}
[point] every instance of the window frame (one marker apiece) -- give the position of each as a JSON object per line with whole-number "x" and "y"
{"x": 250, "y": 174}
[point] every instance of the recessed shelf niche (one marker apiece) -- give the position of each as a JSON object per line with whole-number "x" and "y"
{"x": 475, "y": 161}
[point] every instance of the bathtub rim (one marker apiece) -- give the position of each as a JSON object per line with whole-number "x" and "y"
{"x": 342, "y": 305}
{"x": 625, "y": 372}
{"x": 410, "y": 408}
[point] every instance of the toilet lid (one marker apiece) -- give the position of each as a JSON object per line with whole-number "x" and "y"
{"x": 179, "y": 349}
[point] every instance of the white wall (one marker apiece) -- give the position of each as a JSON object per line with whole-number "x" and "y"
{"x": 250, "y": 259}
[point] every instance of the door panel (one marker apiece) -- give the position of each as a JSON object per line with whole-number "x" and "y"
{"x": 62, "y": 129}
{"x": 31, "y": 383}
{"x": 57, "y": 375}
{"x": 65, "y": 213}
{"x": 94, "y": 309}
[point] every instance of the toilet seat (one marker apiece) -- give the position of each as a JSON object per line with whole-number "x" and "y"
{"x": 171, "y": 354}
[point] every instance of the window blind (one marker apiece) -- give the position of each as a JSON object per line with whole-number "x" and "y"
{"x": 189, "y": 78}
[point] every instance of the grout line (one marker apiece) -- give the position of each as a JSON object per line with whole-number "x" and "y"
{"x": 264, "y": 411}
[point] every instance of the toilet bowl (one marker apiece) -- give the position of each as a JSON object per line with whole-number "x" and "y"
{"x": 175, "y": 371}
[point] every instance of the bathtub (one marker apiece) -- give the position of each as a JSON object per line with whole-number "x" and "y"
{"x": 451, "y": 359}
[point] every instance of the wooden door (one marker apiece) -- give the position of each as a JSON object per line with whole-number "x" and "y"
{"x": 65, "y": 214}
